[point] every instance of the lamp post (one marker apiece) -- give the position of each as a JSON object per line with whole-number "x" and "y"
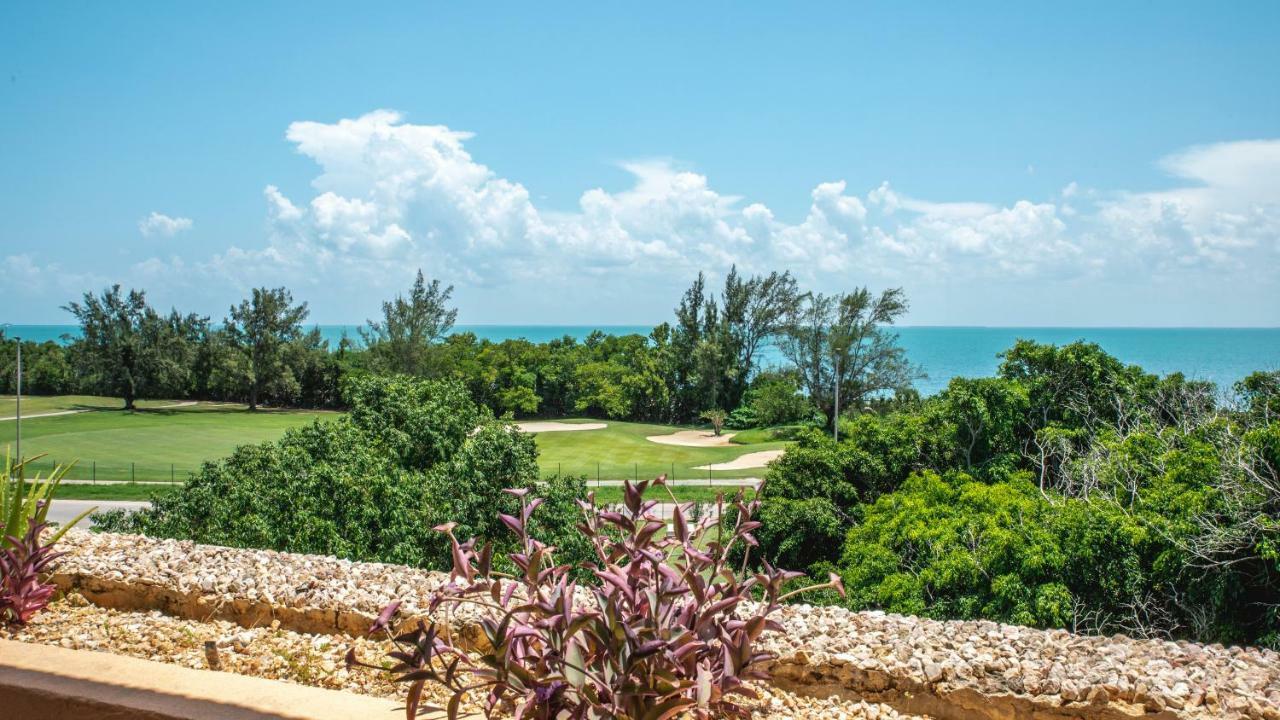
{"x": 17, "y": 399}
{"x": 840, "y": 340}
{"x": 835, "y": 426}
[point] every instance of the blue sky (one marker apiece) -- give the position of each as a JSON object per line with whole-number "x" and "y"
{"x": 1080, "y": 164}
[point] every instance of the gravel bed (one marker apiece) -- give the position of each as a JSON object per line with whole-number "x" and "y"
{"x": 317, "y": 660}
{"x": 874, "y": 651}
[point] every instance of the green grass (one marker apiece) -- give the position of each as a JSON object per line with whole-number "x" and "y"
{"x": 610, "y": 495}
{"x": 622, "y": 451}
{"x": 162, "y": 443}
{"x": 126, "y": 491}
{"x": 157, "y": 444}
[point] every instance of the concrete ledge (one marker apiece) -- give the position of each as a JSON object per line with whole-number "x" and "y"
{"x": 40, "y": 681}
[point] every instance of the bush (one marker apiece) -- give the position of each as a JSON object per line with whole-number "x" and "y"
{"x": 668, "y": 629}
{"x": 22, "y": 561}
{"x": 368, "y": 486}
{"x": 774, "y": 398}
{"x": 24, "y": 558}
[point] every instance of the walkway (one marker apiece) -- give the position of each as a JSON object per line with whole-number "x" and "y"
{"x": 56, "y": 413}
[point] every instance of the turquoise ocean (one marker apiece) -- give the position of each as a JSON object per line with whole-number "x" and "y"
{"x": 1221, "y": 355}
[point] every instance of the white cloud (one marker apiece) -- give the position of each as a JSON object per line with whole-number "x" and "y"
{"x": 1228, "y": 215}
{"x": 391, "y": 196}
{"x": 159, "y": 224}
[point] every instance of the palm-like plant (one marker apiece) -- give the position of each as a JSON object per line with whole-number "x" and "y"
{"x": 25, "y": 554}
{"x": 23, "y": 501}
{"x": 716, "y": 417}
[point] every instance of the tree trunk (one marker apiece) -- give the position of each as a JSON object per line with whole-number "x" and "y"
{"x": 253, "y": 395}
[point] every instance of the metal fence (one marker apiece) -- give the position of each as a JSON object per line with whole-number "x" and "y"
{"x": 116, "y": 470}
{"x": 599, "y": 473}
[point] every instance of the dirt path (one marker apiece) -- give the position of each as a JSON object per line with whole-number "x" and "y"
{"x": 184, "y": 403}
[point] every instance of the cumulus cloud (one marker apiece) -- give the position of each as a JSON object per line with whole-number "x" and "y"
{"x": 1228, "y": 213}
{"x": 391, "y": 196}
{"x": 161, "y": 225}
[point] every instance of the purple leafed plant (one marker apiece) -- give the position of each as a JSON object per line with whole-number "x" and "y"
{"x": 668, "y": 626}
{"x": 22, "y": 562}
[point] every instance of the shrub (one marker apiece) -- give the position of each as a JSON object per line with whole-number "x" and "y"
{"x": 716, "y": 417}
{"x": 667, "y": 626}
{"x": 22, "y": 561}
{"x": 22, "y": 501}
{"x": 23, "y": 558}
{"x": 369, "y": 486}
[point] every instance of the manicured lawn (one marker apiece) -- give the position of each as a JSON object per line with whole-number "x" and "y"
{"x": 125, "y": 491}
{"x": 621, "y": 451}
{"x": 159, "y": 444}
{"x": 683, "y": 493}
{"x": 156, "y": 444}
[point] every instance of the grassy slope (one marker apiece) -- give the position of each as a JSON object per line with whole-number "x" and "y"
{"x": 622, "y": 450}
{"x": 151, "y": 439}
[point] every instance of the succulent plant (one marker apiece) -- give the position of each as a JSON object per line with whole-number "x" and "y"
{"x": 667, "y": 627}
{"x": 22, "y": 561}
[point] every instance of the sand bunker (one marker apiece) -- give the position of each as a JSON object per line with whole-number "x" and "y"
{"x": 692, "y": 438}
{"x": 537, "y": 426}
{"x": 745, "y": 462}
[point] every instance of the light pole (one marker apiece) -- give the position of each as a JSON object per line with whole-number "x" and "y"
{"x": 835, "y": 425}
{"x": 17, "y": 399}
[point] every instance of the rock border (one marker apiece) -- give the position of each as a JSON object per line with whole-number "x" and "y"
{"x": 945, "y": 669}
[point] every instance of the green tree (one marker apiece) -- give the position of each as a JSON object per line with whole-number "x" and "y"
{"x": 261, "y": 328}
{"x": 842, "y": 341}
{"x": 715, "y": 341}
{"x": 402, "y": 341}
{"x": 753, "y": 311}
{"x": 127, "y": 349}
{"x": 989, "y": 417}
{"x": 1260, "y": 393}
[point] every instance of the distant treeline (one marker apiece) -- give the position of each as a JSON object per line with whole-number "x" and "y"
{"x": 704, "y": 363}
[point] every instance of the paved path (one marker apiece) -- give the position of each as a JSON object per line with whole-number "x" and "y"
{"x": 63, "y": 511}
{"x": 66, "y": 481}
{"x": 687, "y": 482}
{"x": 184, "y": 403}
{"x": 46, "y": 414}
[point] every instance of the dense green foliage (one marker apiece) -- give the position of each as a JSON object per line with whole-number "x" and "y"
{"x": 410, "y": 455}
{"x": 1068, "y": 491}
{"x": 129, "y": 350}
{"x": 402, "y": 341}
{"x": 264, "y": 328}
{"x": 707, "y": 360}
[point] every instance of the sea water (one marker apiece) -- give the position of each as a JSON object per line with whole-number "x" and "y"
{"x": 1220, "y": 355}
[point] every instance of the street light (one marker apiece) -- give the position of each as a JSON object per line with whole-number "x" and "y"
{"x": 17, "y": 399}
{"x": 840, "y": 342}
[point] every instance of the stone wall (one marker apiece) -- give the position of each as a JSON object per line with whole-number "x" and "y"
{"x": 949, "y": 669}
